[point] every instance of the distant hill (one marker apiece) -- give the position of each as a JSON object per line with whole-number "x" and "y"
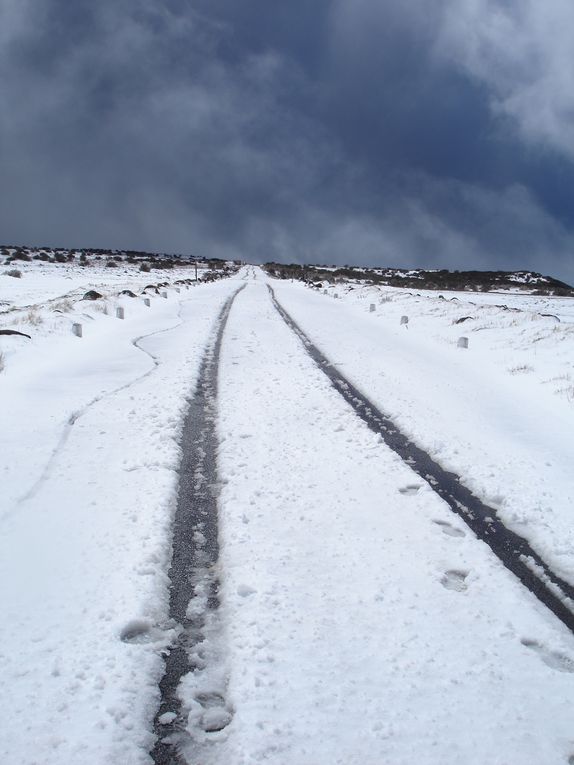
{"x": 421, "y": 279}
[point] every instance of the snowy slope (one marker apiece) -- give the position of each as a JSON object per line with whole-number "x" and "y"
{"x": 360, "y": 621}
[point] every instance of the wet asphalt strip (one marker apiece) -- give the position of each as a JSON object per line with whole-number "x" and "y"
{"x": 194, "y": 547}
{"x": 514, "y": 551}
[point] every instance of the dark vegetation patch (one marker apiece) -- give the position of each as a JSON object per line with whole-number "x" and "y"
{"x": 14, "y": 332}
{"x": 420, "y": 279}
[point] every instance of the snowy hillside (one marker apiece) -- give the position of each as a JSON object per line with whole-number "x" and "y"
{"x": 340, "y": 610}
{"x": 523, "y": 282}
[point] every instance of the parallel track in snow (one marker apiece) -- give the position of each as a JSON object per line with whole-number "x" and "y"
{"x": 512, "y": 550}
{"x": 194, "y": 548}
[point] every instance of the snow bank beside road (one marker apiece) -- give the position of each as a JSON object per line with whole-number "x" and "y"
{"x": 85, "y": 534}
{"x": 42, "y": 282}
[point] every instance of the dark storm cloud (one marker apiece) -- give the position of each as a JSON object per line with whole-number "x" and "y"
{"x": 337, "y": 132}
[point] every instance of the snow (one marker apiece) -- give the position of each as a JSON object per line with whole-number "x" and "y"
{"x": 374, "y": 622}
{"x": 85, "y": 529}
{"x": 501, "y": 413}
{"x": 41, "y": 282}
{"x": 532, "y": 306}
{"x": 360, "y": 620}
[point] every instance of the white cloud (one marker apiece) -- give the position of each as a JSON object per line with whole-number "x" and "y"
{"x": 523, "y": 53}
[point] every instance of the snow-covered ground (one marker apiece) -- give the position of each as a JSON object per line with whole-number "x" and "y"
{"x": 89, "y": 442}
{"x": 364, "y": 624}
{"x": 42, "y": 282}
{"x": 360, "y": 621}
{"x": 500, "y": 413}
{"x": 532, "y": 306}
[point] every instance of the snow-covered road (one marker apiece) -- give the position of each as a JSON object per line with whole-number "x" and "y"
{"x": 359, "y": 619}
{"x": 510, "y": 437}
{"x": 365, "y": 624}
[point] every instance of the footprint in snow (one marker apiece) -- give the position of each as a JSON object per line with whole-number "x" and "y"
{"x": 140, "y": 631}
{"x": 216, "y": 715}
{"x": 455, "y": 580}
{"x": 553, "y": 659}
{"x": 244, "y": 590}
{"x": 451, "y": 531}
{"x": 136, "y": 631}
{"x": 410, "y": 489}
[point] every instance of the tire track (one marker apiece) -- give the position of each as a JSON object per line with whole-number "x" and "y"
{"x": 192, "y": 572}
{"x": 512, "y": 550}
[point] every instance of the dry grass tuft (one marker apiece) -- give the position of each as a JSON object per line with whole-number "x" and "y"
{"x": 34, "y": 319}
{"x": 63, "y": 306}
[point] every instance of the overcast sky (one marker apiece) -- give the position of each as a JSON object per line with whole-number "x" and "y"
{"x": 416, "y": 133}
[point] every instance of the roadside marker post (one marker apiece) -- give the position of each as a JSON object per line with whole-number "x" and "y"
{"x": 462, "y": 342}
{"x": 120, "y": 313}
{"x": 372, "y": 308}
{"x": 77, "y": 330}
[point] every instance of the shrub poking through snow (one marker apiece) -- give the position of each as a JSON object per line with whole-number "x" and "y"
{"x": 34, "y": 318}
{"x": 63, "y": 306}
{"x": 15, "y": 272}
